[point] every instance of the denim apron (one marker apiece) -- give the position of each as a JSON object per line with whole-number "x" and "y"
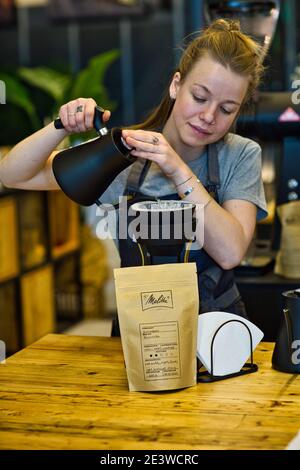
{"x": 217, "y": 288}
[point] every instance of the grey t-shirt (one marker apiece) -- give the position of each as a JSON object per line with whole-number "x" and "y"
{"x": 240, "y": 175}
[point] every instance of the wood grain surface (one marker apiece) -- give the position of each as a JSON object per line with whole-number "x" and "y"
{"x": 71, "y": 392}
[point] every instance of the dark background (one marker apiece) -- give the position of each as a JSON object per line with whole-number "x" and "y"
{"x": 149, "y": 43}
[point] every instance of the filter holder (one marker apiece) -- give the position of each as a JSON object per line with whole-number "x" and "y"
{"x": 248, "y": 368}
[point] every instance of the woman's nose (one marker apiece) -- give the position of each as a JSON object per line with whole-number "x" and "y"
{"x": 208, "y": 115}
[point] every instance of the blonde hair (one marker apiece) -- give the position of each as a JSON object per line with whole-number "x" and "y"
{"x": 225, "y": 43}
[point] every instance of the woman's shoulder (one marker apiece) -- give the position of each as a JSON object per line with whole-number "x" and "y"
{"x": 235, "y": 150}
{"x": 238, "y": 143}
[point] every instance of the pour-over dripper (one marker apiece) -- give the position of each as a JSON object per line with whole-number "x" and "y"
{"x": 163, "y": 229}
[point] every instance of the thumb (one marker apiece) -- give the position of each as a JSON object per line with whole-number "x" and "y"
{"x": 106, "y": 115}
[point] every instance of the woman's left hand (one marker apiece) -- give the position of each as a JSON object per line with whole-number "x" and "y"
{"x": 153, "y": 146}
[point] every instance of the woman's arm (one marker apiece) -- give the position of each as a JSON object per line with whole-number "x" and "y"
{"x": 228, "y": 229}
{"x": 29, "y": 164}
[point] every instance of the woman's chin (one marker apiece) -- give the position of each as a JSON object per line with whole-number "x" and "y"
{"x": 199, "y": 140}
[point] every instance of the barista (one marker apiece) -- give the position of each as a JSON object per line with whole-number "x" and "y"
{"x": 185, "y": 150}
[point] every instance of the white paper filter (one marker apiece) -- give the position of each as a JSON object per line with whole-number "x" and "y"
{"x": 232, "y": 343}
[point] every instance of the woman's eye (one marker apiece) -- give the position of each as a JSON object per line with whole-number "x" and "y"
{"x": 225, "y": 111}
{"x": 198, "y": 99}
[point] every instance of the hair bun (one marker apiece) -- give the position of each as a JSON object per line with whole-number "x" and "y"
{"x": 225, "y": 25}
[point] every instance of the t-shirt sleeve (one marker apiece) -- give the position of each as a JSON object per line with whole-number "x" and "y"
{"x": 244, "y": 181}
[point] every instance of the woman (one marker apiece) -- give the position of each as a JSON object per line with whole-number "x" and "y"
{"x": 192, "y": 153}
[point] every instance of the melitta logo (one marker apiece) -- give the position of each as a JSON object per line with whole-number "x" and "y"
{"x": 157, "y": 299}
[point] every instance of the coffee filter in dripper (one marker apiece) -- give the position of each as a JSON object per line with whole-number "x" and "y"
{"x": 165, "y": 226}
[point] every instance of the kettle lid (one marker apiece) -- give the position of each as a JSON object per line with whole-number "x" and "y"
{"x": 295, "y": 293}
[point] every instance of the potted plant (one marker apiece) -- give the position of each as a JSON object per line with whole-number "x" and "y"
{"x": 34, "y": 95}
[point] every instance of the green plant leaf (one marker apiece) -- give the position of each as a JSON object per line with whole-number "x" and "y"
{"x": 51, "y": 81}
{"x": 18, "y": 95}
{"x": 59, "y": 87}
{"x": 89, "y": 82}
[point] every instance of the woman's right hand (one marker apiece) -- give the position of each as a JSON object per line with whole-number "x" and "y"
{"x": 77, "y": 115}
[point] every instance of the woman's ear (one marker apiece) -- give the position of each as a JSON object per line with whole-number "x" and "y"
{"x": 174, "y": 87}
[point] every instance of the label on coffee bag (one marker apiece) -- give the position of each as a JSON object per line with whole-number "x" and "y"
{"x": 160, "y": 350}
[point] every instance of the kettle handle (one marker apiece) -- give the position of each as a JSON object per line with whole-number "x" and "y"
{"x": 97, "y": 121}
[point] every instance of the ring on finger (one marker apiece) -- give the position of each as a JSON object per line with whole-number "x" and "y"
{"x": 155, "y": 140}
{"x": 79, "y": 109}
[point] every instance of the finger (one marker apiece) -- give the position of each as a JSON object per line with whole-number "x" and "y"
{"x": 143, "y": 136}
{"x": 79, "y": 129}
{"x": 65, "y": 118}
{"x": 89, "y": 112}
{"x": 143, "y": 146}
{"x": 146, "y": 155}
{"x": 80, "y": 120}
{"x": 71, "y": 110}
{"x": 106, "y": 115}
{"x": 80, "y": 124}
{"x": 85, "y": 113}
{"x": 63, "y": 114}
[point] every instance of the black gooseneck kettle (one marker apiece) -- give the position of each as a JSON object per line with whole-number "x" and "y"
{"x": 286, "y": 355}
{"x": 86, "y": 170}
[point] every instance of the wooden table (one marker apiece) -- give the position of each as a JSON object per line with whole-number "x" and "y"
{"x": 70, "y": 392}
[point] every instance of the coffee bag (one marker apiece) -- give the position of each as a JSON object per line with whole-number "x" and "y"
{"x": 158, "y": 312}
{"x": 288, "y": 257}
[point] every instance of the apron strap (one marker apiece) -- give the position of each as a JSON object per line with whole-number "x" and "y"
{"x": 137, "y": 175}
{"x": 213, "y": 171}
{"x": 222, "y": 302}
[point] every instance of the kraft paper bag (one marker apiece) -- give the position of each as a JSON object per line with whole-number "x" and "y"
{"x": 158, "y": 314}
{"x": 288, "y": 257}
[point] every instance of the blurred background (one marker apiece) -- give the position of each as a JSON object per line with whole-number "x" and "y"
{"x": 146, "y": 34}
{"x": 55, "y": 274}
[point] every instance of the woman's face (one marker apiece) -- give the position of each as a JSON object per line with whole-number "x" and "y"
{"x": 206, "y": 104}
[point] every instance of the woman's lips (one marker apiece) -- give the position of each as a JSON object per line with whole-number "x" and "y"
{"x": 199, "y": 131}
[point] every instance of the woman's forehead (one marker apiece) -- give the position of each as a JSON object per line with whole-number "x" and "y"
{"x": 210, "y": 75}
